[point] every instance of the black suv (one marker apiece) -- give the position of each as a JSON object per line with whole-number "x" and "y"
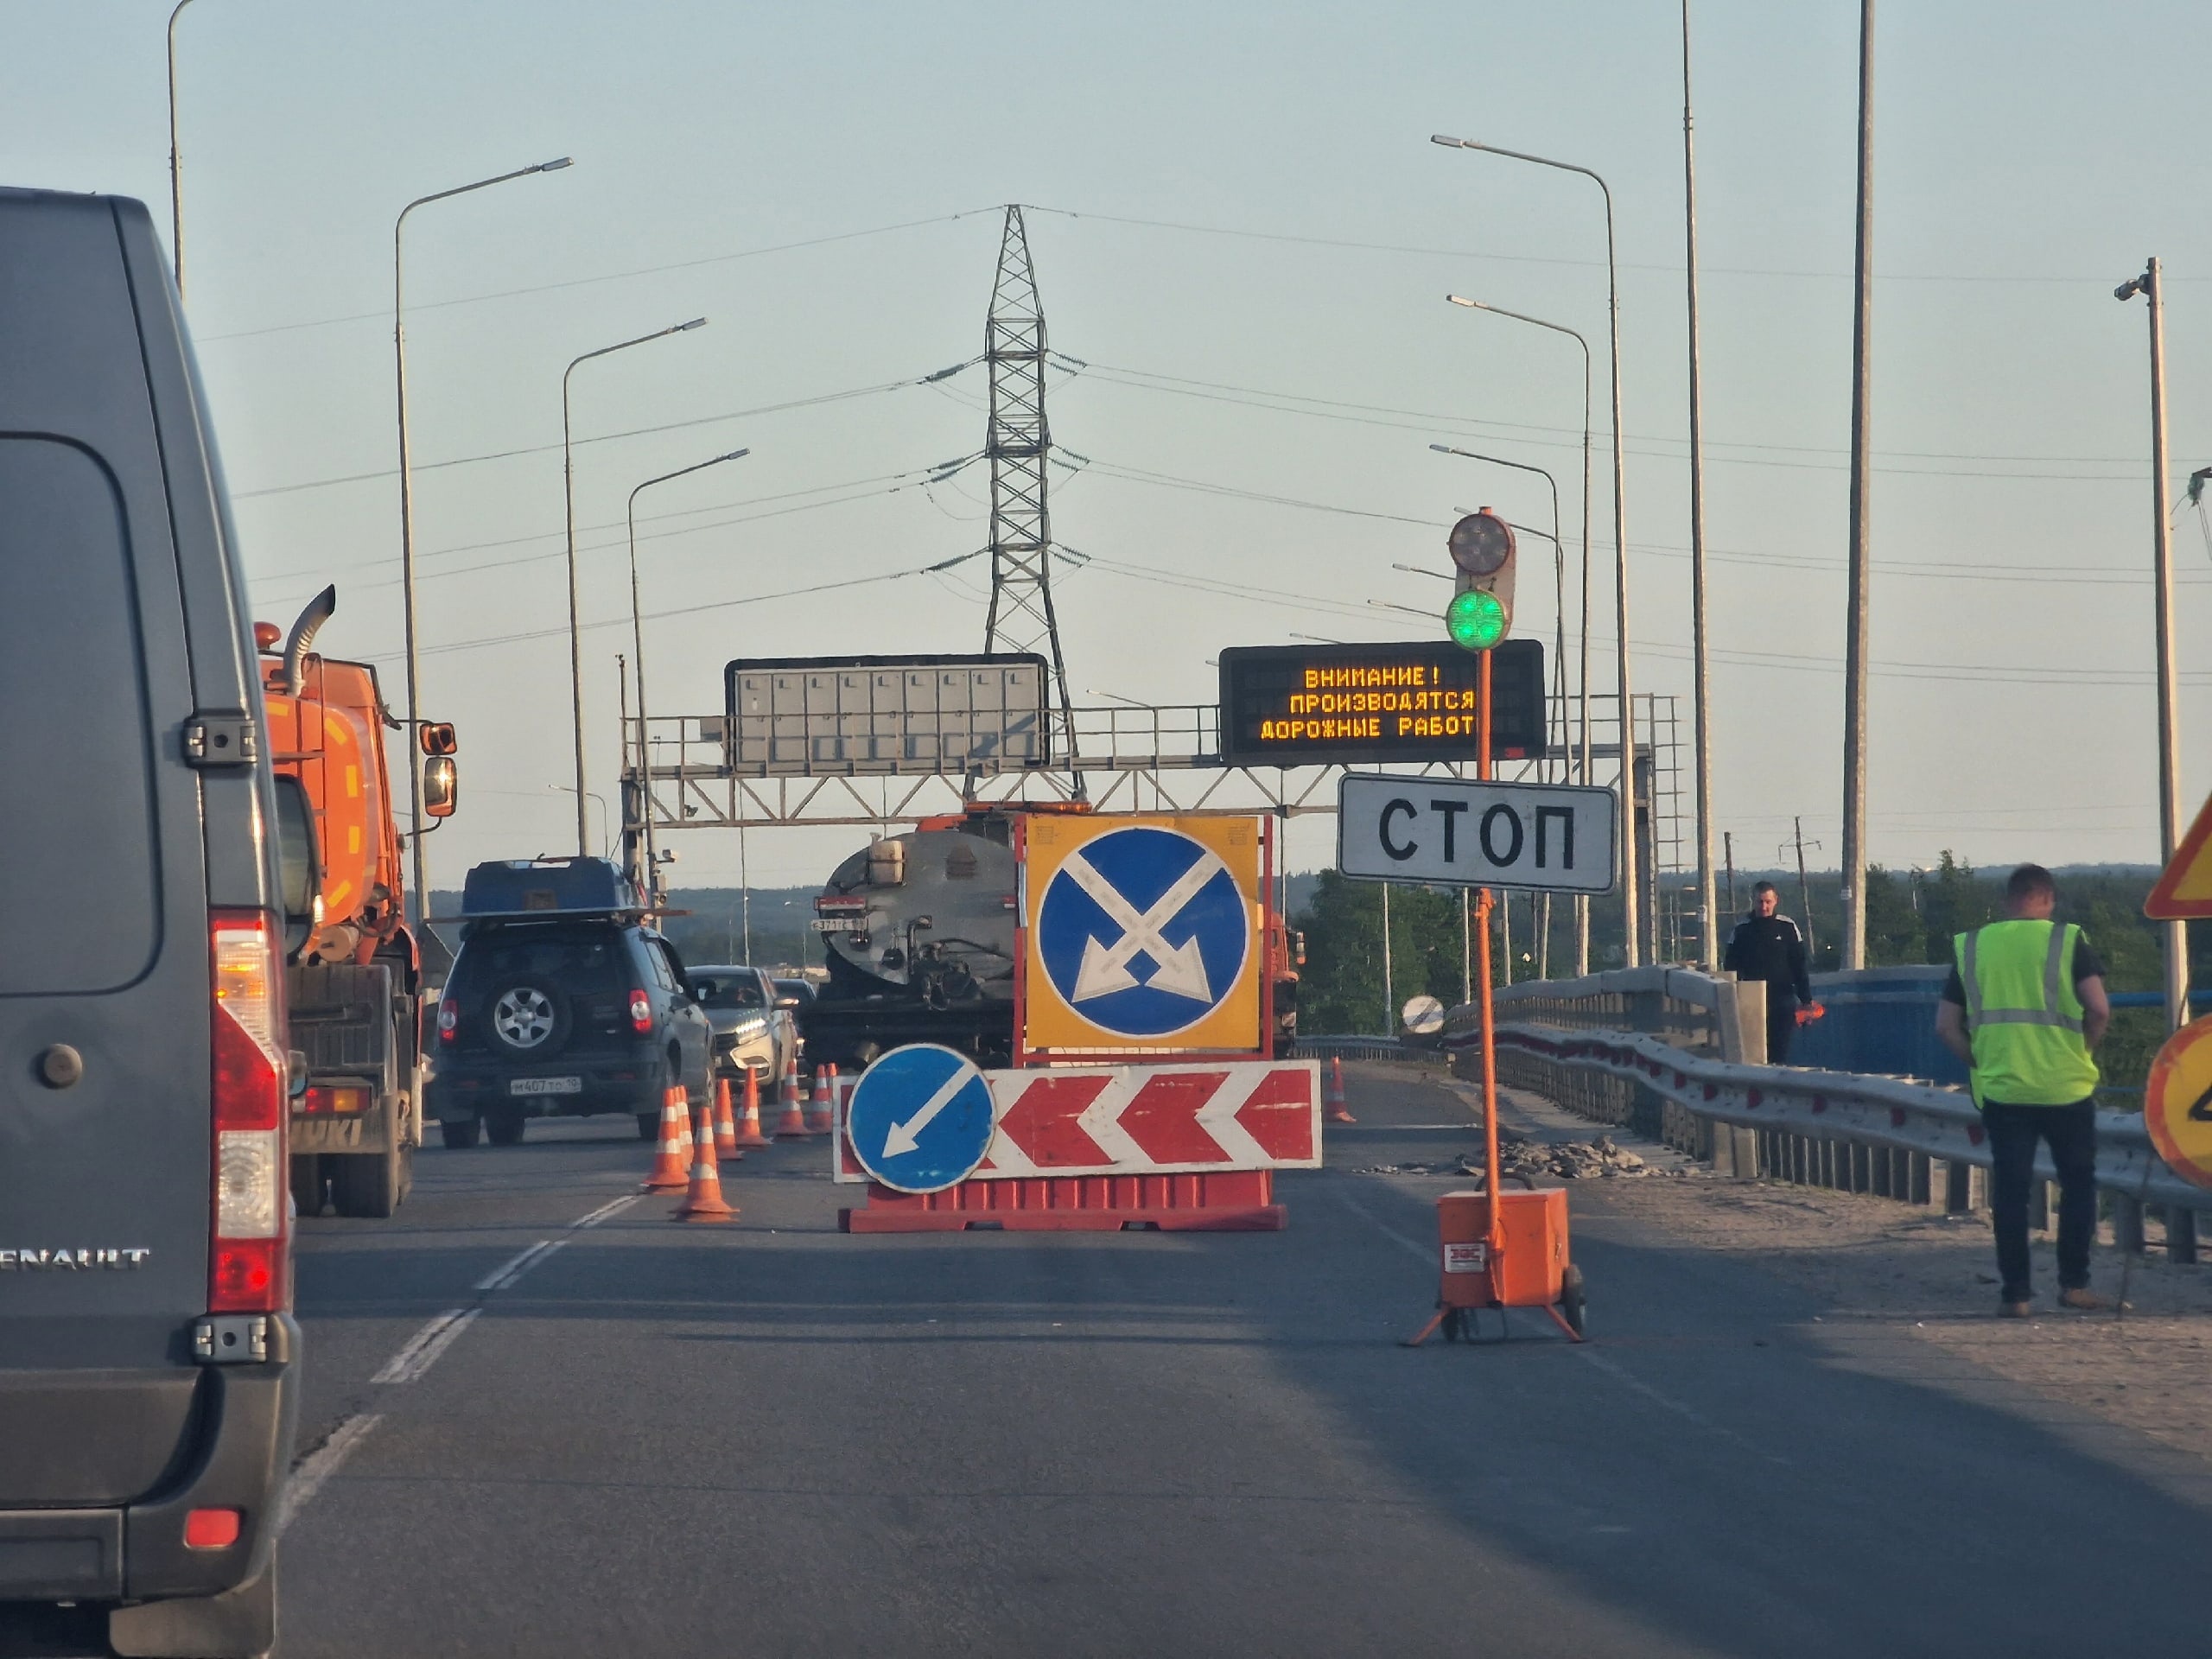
{"x": 562, "y": 1002}
{"x": 149, "y": 1359}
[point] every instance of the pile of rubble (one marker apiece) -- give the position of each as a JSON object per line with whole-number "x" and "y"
{"x": 1566, "y": 1161}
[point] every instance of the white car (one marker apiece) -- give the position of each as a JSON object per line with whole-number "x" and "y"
{"x": 754, "y": 1027}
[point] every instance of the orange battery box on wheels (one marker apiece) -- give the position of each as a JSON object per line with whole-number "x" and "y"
{"x": 1530, "y": 1268}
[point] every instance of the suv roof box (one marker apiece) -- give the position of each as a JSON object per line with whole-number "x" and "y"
{"x": 541, "y": 888}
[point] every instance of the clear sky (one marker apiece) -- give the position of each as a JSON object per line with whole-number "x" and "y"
{"x": 1242, "y": 228}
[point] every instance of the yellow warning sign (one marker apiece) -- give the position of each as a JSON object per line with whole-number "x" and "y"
{"x": 2177, "y": 1103}
{"x": 2184, "y": 890}
{"x": 1143, "y": 934}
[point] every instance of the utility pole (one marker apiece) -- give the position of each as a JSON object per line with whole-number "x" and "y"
{"x": 2176, "y": 942}
{"x": 1804, "y": 887}
{"x": 1702, "y": 677}
{"x": 1467, "y": 949}
{"x": 1854, "y": 952}
{"x": 1389, "y": 996}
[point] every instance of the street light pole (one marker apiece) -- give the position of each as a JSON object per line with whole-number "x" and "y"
{"x": 176, "y": 162}
{"x": 1582, "y": 688}
{"x": 1862, "y": 558}
{"x": 575, "y": 628}
{"x": 2150, "y": 287}
{"x": 407, "y": 514}
{"x": 637, "y": 647}
{"x": 1701, "y": 670}
{"x": 1631, "y": 902}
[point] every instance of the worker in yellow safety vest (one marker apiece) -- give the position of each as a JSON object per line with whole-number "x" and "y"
{"x": 2025, "y": 1006}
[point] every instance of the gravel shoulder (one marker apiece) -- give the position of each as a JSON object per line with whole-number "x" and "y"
{"x": 1893, "y": 1273}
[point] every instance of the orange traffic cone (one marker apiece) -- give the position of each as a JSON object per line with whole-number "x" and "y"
{"x": 748, "y": 1123}
{"x": 791, "y": 1123}
{"x": 703, "y": 1199}
{"x": 1332, "y": 1097}
{"x": 819, "y": 1120}
{"x": 671, "y": 1171}
{"x": 725, "y": 1125}
{"x": 787, "y": 1085}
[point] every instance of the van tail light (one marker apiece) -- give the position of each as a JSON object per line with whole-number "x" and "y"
{"x": 246, "y": 1251}
{"x": 641, "y": 1013}
{"x": 448, "y": 1020}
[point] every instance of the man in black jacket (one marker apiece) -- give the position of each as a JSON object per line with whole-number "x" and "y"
{"x": 1767, "y": 946}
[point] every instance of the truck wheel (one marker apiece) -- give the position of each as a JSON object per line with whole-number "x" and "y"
{"x": 369, "y": 1184}
{"x": 502, "y": 1127}
{"x": 460, "y": 1133}
{"x": 307, "y": 1182}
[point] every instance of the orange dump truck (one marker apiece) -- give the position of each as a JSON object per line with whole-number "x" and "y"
{"x": 354, "y": 979}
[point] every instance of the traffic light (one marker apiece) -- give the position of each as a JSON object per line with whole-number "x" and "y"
{"x": 1481, "y": 613}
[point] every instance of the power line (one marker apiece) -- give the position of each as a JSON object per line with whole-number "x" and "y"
{"x": 1541, "y": 260}
{"x": 585, "y": 282}
{"x": 610, "y": 437}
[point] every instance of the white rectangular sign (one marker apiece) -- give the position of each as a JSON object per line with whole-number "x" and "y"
{"x": 1544, "y": 837}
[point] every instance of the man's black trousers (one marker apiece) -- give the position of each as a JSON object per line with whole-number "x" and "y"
{"x": 1781, "y": 1023}
{"x": 2071, "y": 1134}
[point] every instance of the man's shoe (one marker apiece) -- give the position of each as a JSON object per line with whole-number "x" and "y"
{"x": 2083, "y": 1300}
{"x": 2013, "y": 1310}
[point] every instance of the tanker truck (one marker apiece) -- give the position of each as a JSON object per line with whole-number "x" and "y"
{"x": 353, "y": 978}
{"x": 919, "y": 932}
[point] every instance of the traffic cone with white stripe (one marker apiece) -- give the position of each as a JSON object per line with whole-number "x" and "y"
{"x": 671, "y": 1171}
{"x": 702, "y": 1201}
{"x": 1332, "y": 1097}
{"x": 725, "y": 1125}
{"x": 819, "y": 1120}
{"x": 787, "y": 1084}
{"x": 790, "y": 1123}
{"x": 748, "y": 1123}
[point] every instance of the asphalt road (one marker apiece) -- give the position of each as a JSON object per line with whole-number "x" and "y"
{"x": 774, "y": 1439}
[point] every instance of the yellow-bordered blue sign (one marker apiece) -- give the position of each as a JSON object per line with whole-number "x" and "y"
{"x": 1143, "y": 934}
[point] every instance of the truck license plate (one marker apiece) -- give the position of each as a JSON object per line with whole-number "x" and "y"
{"x": 840, "y": 924}
{"x": 545, "y": 1085}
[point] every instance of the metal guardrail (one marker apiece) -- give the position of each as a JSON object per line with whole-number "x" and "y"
{"x": 1357, "y": 1048}
{"x": 1678, "y": 1055}
{"x": 1898, "y": 1113}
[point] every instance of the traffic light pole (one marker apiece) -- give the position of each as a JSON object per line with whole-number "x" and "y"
{"x": 1496, "y": 1230}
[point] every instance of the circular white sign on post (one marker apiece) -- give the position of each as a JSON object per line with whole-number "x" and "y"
{"x": 1423, "y": 1016}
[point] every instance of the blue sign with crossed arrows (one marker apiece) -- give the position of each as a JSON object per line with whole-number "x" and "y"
{"x": 920, "y": 1119}
{"x": 1143, "y": 931}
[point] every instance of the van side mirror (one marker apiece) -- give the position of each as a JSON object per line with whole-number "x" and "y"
{"x": 441, "y": 786}
{"x": 295, "y": 1069}
{"x": 437, "y": 738}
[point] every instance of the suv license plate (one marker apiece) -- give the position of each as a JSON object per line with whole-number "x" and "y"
{"x": 545, "y": 1085}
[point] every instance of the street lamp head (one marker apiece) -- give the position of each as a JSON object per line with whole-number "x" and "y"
{"x": 1472, "y": 305}
{"x": 2132, "y": 286}
{"x": 554, "y": 166}
{"x": 686, "y": 327}
{"x": 734, "y": 454}
{"x": 1449, "y": 144}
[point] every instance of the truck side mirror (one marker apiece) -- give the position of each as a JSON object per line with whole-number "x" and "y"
{"x": 441, "y": 786}
{"x": 299, "y": 868}
{"x": 437, "y": 738}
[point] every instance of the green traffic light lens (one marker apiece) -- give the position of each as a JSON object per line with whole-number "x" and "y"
{"x": 1475, "y": 620}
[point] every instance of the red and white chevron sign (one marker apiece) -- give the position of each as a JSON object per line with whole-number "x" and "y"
{"x": 1156, "y": 1120}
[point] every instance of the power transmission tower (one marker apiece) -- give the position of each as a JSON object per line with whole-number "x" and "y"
{"x": 1018, "y": 442}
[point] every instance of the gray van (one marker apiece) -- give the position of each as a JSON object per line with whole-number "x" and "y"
{"x": 148, "y": 1353}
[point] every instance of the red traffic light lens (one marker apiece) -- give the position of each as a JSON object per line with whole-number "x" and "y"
{"x": 1481, "y": 543}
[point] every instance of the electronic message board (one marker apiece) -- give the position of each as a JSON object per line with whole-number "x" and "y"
{"x": 876, "y": 716}
{"x": 1365, "y": 705}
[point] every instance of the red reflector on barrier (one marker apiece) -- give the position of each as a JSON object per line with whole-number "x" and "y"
{"x": 213, "y": 1528}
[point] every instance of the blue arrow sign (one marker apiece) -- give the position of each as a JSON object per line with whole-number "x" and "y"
{"x": 920, "y": 1118}
{"x": 1143, "y": 931}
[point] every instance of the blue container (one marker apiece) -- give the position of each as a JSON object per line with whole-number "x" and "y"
{"x": 547, "y": 887}
{"x": 1880, "y": 1021}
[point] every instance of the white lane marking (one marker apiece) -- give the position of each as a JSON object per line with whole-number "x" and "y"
{"x": 504, "y": 1278}
{"x": 320, "y": 1465}
{"x": 1604, "y": 1363}
{"x": 423, "y": 1348}
{"x": 605, "y": 1212}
